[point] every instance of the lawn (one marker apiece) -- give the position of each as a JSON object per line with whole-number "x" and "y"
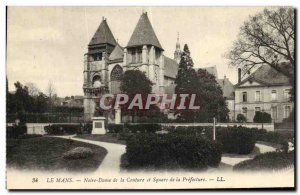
{"x": 46, "y": 153}
{"x": 109, "y": 137}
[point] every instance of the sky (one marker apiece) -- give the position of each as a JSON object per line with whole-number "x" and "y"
{"x": 47, "y": 44}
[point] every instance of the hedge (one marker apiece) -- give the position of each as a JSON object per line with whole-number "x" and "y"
{"x": 267, "y": 161}
{"x": 16, "y": 131}
{"x": 59, "y": 129}
{"x": 169, "y": 150}
{"x": 239, "y": 140}
{"x": 134, "y": 128}
{"x": 115, "y": 128}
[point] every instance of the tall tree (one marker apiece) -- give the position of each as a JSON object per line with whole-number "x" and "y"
{"x": 268, "y": 38}
{"x": 187, "y": 83}
{"x": 186, "y": 77}
{"x": 51, "y": 91}
{"x": 213, "y": 103}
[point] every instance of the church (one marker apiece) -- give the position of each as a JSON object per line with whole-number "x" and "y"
{"x": 106, "y": 60}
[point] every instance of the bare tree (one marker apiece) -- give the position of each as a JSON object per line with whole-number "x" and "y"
{"x": 33, "y": 90}
{"x": 266, "y": 38}
{"x": 51, "y": 92}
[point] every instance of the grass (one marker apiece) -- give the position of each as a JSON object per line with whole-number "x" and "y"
{"x": 267, "y": 161}
{"x": 109, "y": 137}
{"x": 46, "y": 153}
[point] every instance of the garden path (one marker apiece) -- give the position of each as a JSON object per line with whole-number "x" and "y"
{"x": 112, "y": 160}
{"x": 235, "y": 159}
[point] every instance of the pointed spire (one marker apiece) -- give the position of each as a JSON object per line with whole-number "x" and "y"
{"x": 178, "y": 44}
{"x": 177, "y": 53}
{"x": 103, "y": 35}
{"x": 144, "y": 34}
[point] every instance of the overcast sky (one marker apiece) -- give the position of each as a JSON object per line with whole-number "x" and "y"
{"x": 48, "y": 43}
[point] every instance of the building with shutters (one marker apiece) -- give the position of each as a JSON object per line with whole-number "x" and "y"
{"x": 267, "y": 90}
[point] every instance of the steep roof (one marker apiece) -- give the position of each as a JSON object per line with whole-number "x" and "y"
{"x": 143, "y": 34}
{"x": 227, "y": 88}
{"x": 171, "y": 67}
{"x": 117, "y": 53}
{"x": 103, "y": 35}
{"x": 267, "y": 75}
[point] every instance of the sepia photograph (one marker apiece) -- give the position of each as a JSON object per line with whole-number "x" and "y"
{"x": 150, "y": 98}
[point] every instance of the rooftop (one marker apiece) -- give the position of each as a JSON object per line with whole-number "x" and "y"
{"x": 103, "y": 35}
{"x": 144, "y": 34}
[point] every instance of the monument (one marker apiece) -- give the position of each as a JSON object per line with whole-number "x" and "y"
{"x": 99, "y": 125}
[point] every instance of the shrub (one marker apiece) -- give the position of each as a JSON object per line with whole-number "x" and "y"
{"x": 239, "y": 140}
{"x": 169, "y": 150}
{"x": 78, "y": 153}
{"x": 241, "y": 118}
{"x": 115, "y": 128}
{"x": 87, "y": 128}
{"x": 272, "y": 137}
{"x": 59, "y": 129}
{"x": 262, "y": 117}
{"x": 16, "y": 131}
{"x": 267, "y": 161}
{"x": 143, "y": 128}
{"x": 28, "y": 136}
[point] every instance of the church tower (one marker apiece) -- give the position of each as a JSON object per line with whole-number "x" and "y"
{"x": 95, "y": 68}
{"x": 177, "y": 53}
{"x": 144, "y": 52}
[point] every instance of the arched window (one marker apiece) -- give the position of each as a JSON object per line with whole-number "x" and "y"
{"x": 97, "y": 81}
{"x": 115, "y": 77}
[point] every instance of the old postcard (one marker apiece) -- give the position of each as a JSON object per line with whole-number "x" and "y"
{"x": 150, "y": 98}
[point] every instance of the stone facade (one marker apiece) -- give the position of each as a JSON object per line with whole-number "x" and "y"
{"x": 265, "y": 90}
{"x": 106, "y": 60}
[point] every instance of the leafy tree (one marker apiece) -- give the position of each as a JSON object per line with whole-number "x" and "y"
{"x": 262, "y": 117}
{"x": 208, "y": 93}
{"x": 213, "y": 103}
{"x": 241, "y": 118}
{"x": 135, "y": 82}
{"x": 22, "y": 99}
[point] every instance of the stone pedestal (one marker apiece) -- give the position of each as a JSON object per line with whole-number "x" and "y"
{"x": 98, "y": 125}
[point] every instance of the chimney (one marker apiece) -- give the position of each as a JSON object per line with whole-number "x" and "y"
{"x": 239, "y": 75}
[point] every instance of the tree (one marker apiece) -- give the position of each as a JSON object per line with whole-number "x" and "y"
{"x": 212, "y": 104}
{"x": 267, "y": 38}
{"x": 262, "y": 117}
{"x": 186, "y": 79}
{"x": 33, "y": 90}
{"x": 204, "y": 85}
{"x": 51, "y": 92}
{"x": 241, "y": 118}
{"x": 187, "y": 83}
{"x": 135, "y": 82}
